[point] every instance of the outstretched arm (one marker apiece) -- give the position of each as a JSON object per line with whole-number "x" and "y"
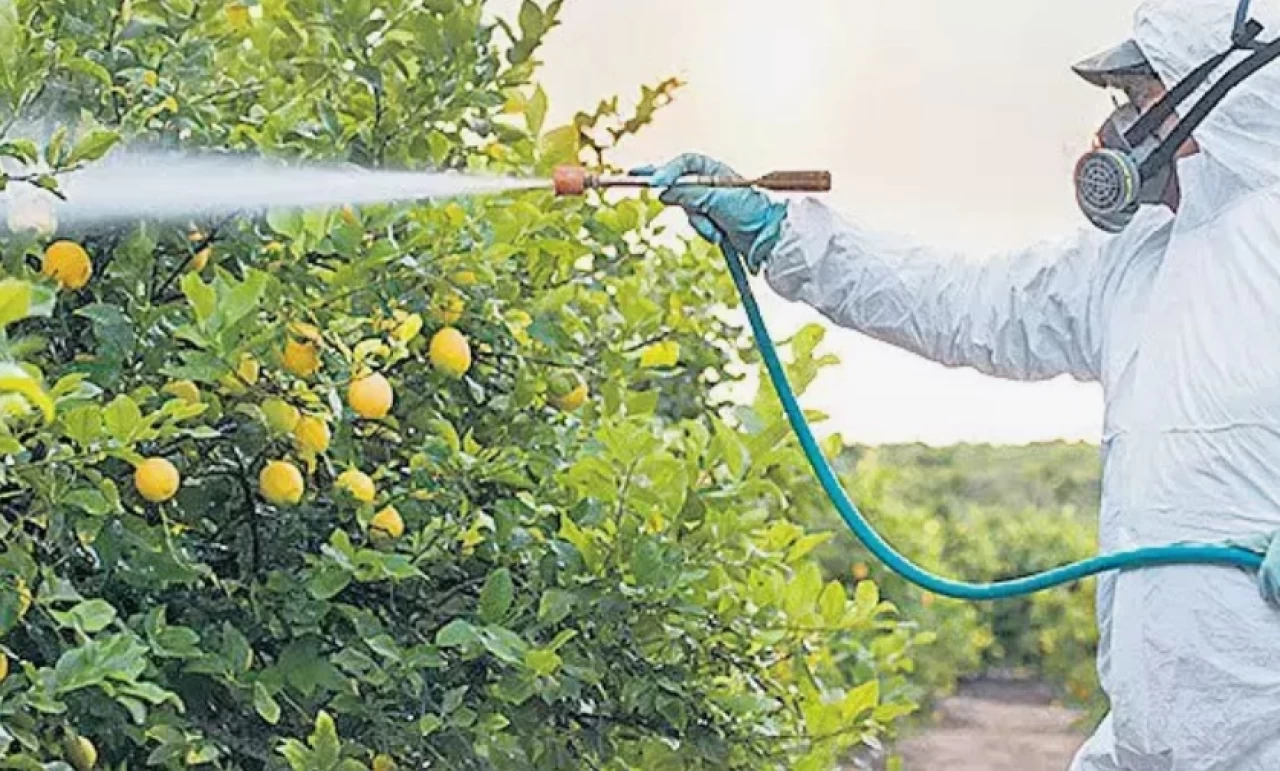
{"x": 1029, "y": 314}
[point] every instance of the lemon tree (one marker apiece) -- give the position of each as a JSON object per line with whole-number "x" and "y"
{"x": 575, "y": 553}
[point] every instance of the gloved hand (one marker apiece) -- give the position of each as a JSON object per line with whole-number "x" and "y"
{"x": 1269, "y": 573}
{"x": 743, "y": 222}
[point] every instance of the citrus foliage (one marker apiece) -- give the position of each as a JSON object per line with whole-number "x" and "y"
{"x": 983, "y": 514}
{"x": 450, "y": 486}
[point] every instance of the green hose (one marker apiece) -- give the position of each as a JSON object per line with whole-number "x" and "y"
{"x": 1181, "y": 554}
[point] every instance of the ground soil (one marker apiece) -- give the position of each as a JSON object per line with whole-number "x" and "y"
{"x": 995, "y": 726}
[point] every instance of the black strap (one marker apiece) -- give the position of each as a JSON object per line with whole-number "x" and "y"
{"x": 1242, "y": 38}
{"x": 1260, "y": 58}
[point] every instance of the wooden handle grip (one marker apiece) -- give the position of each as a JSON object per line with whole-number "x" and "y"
{"x": 796, "y": 181}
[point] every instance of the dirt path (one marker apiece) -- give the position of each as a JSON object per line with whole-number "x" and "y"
{"x": 996, "y": 726}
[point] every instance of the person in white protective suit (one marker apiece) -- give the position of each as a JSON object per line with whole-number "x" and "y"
{"x": 1172, "y": 303}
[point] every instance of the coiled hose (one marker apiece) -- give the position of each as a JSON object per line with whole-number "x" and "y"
{"x": 1180, "y": 554}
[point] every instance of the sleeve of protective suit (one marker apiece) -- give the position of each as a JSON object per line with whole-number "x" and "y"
{"x": 1031, "y": 314}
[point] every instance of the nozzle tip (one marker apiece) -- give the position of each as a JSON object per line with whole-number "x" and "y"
{"x": 570, "y": 180}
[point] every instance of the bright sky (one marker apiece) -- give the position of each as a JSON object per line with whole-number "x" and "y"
{"x": 955, "y": 122}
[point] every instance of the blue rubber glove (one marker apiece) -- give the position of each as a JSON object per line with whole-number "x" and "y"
{"x": 1269, "y": 573}
{"x": 743, "y": 222}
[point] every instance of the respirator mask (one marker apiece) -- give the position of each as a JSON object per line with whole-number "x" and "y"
{"x": 1132, "y": 164}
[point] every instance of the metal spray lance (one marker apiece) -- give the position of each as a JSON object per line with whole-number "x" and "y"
{"x": 575, "y": 180}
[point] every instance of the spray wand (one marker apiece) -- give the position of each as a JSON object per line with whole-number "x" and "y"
{"x": 575, "y": 180}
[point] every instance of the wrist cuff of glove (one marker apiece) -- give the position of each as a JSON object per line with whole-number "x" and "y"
{"x": 767, "y": 239}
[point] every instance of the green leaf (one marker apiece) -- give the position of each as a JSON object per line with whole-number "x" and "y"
{"x": 560, "y": 146}
{"x": 306, "y": 668}
{"x": 266, "y": 705}
{"x": 543, "y": 662}
{"x": 429, "y": 724}
{"x": 23, "y": 150}
{"x": 53, "y": 150}
{"x": 504, "y": 644}
{"x": 235, "y": 649}
{"x": 456, "y": 634}
{"x": 646, "y": 562}
{"x": 176, "y": 642}
{"x": 867, "y": 596}
{"x": 325, "y": 747}
{"x": 535, "y": 111}
{"x": 238, "y": 299}
{"x": 803, "y": 591}
{"x": 801, "y": 548}
{"x": 203, "y": 298}
{"x": 531, "y": 20}
{"x": 328, "y": 582}
{"x": 91, "y": 69}
{"x": 15, "y": 300}
{"x": 12, "y": 36}
{"x": 90, "y": 616}
{"x": 122, "y": 418}
{"x": 90, "y": 500}
{"x": 119, "y": 657}
{"x": 554, "y": 606}
{"x": 496, "y": 596}
{"x": 92, "y": 147}
{"x": 831, "y": 603}
{"x": 286, "y": 222}
{"x": 860, "y": 699}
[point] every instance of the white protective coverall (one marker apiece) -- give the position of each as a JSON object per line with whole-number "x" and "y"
{"x": 1178, "y": 318}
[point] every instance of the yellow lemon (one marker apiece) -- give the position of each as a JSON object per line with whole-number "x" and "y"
{"x": 150, "y": 78}
{"x": 450, "y": 352}
{"x": 67, "y": 263}
{"x": 447, "y": 309}
{"x": 185, "y": 390}
{"x": 311, "y": 435}
{"x": 384, "y": 763}
{"x": 371, "y": 396}
{"x": 386, "y": 525}
{"x": 156, "y": 479}
{"x": 282, "y": 417}
{"x": 572, "y": 401}
{"x": 568, "y": 392}
{"x": 201, "y": 260}
{"x": 238, "y": 16}
{"x": 81, "y": 752}
{"x": 465, "y": 278}
{"x": 281, "y": 483}
{"x": 358, "y": 484}
{"x": 302, "y": 359}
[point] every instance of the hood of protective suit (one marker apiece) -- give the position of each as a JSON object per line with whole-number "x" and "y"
{"x": 1242, "y": 134}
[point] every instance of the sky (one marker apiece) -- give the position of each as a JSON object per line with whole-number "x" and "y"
{"x": 957, "y": 123}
